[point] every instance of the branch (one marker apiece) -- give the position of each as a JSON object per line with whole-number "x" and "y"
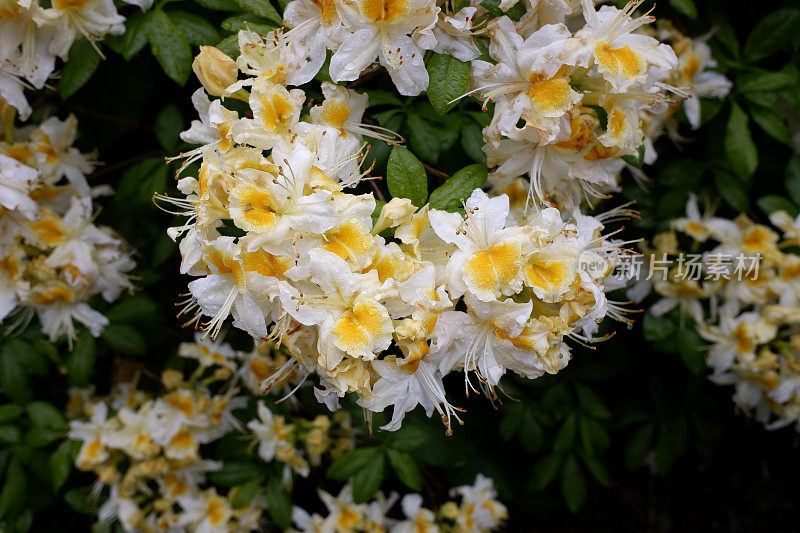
{"x": 435, "y": 171}
{"x": 378, "y": 193}
{"x": 124, "y": 163}
{"x": 365, "y": 76}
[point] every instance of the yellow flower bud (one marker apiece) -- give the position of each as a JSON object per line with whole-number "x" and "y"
{"x": 449, "y": 510}
{"x": 215, "y": 70}
{"x": 171, "y": 379}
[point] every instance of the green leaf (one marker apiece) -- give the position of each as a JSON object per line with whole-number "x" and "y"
{"x": 639, "y": 446}
{"x": 262, "y": 8}
{"x": 33, "y": 360}
{"x": 139, "y": 182}
{"x": 516, "y": 11}
{"x": 772, "y": 33}
{"x": 692, "y": 350}
{"x": 472, "y": 142}
{"x": 230, "y": 46}
{"x": 731, "y": 190}
{"x": 80, "y": 362}
{"x": 83, "y": 60}
{"x": 380, "y": 97}
{"x": 531, "y": 434}
{"x": 771, "y": 203}
{"x": 168, "y": 126}
{"x": 407, "y": 438}
{"x": 493, "y": 7}
{"x": 769, "y": 121}
{"x": 684, "y": 7}
{"x": 792, "y": 178}
{"x": 573, "y": 484}
{"x": 9, "y": 412}
{"x": 367, "y": 480}
{"x": 135, "y": 36}
{"x": 125, "y": 339}
{"x": 13, "y": 494}
{"x": 248, "y": 21}
{"x": 195, "y": 29}
{"x": 39, "y": 437}
{"x": 61, "y": 462}
{"x": 235, "y": 473}
{"x": 219, "y": 5}
{"x": 406, "y": 469}
{"x": 681, "y": 173}
{"x": 545, "y": 471}
{"x": 134, "y": 308}
{"x": 763, "y": 81}
{"x": 279, "y": 504}
{"x": 450, "y": 195}
{"x": 379, "y": 151}
{"x": 81, "y": 500}
{"x": 352, "y": 461}
{"x": 45, "y": 415}
{"x": 672, "y": 439}
{"x": 591, "y": 402}
{"x": 484, "y": 49}
{"x": 594, "y": 435}
{"x": 511, "y": 422}
{"x": 10, "y": 434}
{"x": 597, "y": 469}
{"x": 406, "y": 177}
{"x": 245, "y": 493}
{"x": 449, "y": 79}
{"x": 13, "y": 378}
{"x": 726, "y": 36}
{"x": 566, "y": 435}
{"x": 741, "y": 153}
{"x": 635, "y": 161}
{"x": 169, "y": 46}
{"x": 427, "y": 139}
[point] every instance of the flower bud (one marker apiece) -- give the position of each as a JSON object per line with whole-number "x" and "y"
{"x": 394, "y": 213}
{"x": 215, "y": 70}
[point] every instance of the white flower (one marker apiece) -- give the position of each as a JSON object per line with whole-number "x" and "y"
{"x": 206, "y": 512}
{"x": 623, "y": 58}
{"x": 346, "y": 306}
{"x": 276, "y": 112}
{"x": 92, "y": 451}
{"x": 233, "y": 289}
{"x": 272, "y": 432}
{"x": 92, "y": 19}
{"x": 16, "y": 181}
{"x": 489, "y": 255}
{"x": 701, "y": 227}
{"x": 527, "y": 81}
{"x": 477, "y": 340}
{"x": 418, "y": 519}
{"x": 381, "y": 28}
{"x": 453, "y": 35}
{"x": 404, "y": 384}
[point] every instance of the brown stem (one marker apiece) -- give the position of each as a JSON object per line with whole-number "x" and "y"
{"x": 81, "y": 110}
{"x": 124, "y": 163}
{"x": 365, "y": 76}
{"x": 436, "y": 172}
{"x": 378, "y": 192}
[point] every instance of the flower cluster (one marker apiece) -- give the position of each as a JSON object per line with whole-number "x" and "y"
{"x": 32, "y": 37}
{"x": 692, "y": 75}
{"x": 380, "y": 301}
{"x": 53, "y": 259}
{"x": 751, "y": 321}
{"x": 149, "y": 448}
{"x": 571, "y": 107}
{"x": 477, "y": 512}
